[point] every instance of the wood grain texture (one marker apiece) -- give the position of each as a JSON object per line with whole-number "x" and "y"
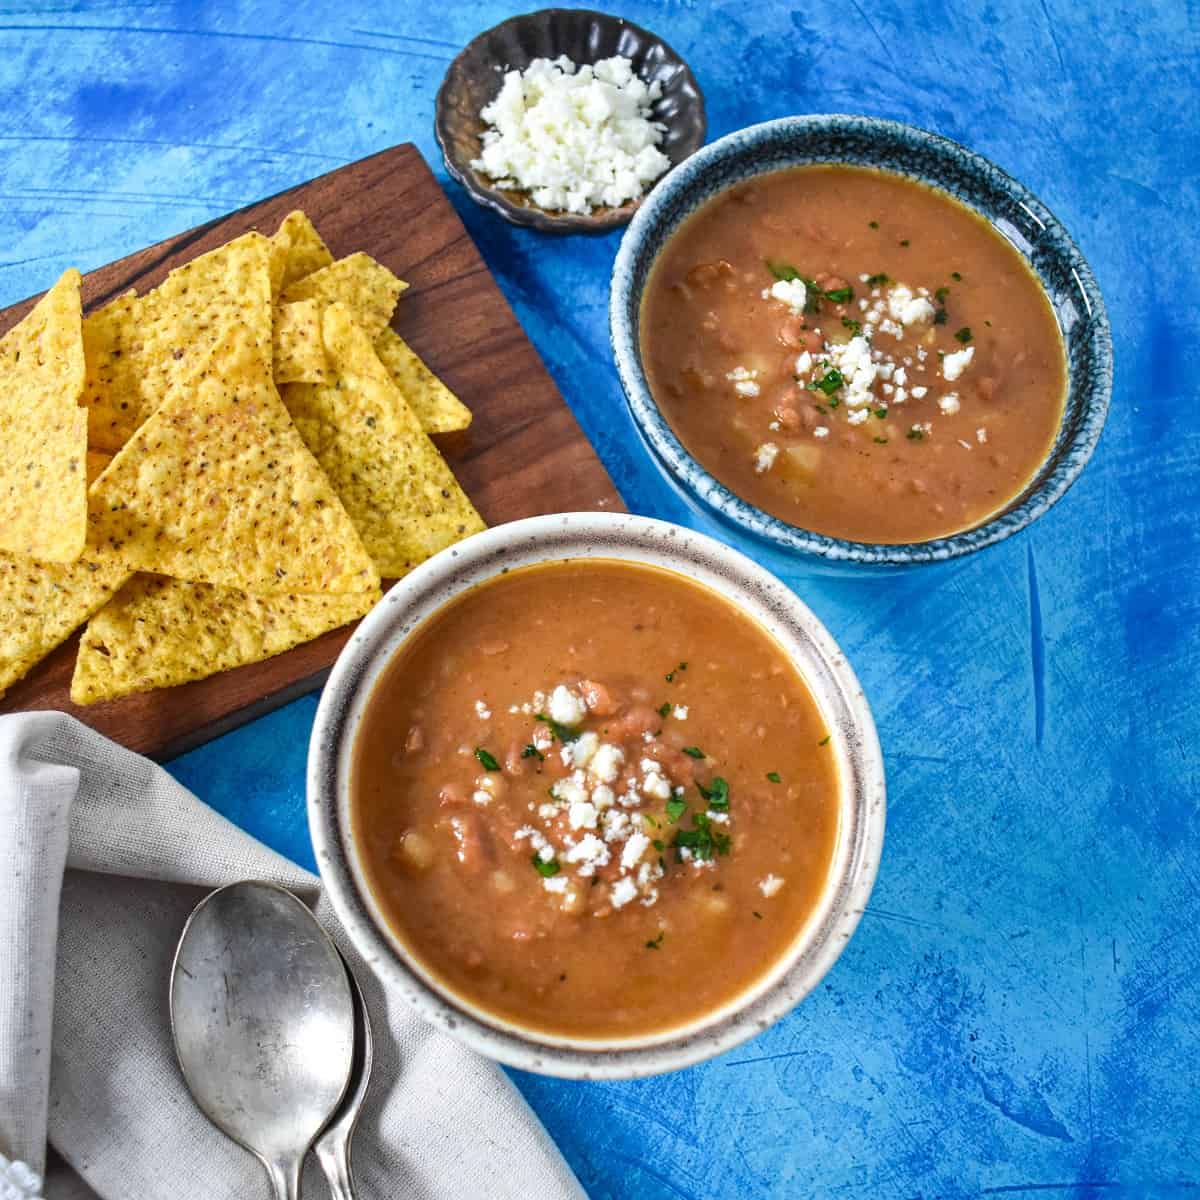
{"x": 523, "y": 455}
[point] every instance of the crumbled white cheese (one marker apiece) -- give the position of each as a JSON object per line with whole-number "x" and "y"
{"x": 623, "y": 891}
{"x": 582, "y": 815}
{"x": 821, "y": 431}
{"x": 680, "y": 712}
{"x": 770, "y": 885}
{"x": 566, "y": 706}
{"x": 616, "y": 825}
{"x": 556, "y": 883}
{"x": 854, "y": 363}
{"x": 606, "y": 762}
{"x": 743, "y": 381}
{"x": 635, "y": 847}
{"x": 590, "y": 852}
{"x": 856, "y": 416}
{"x": 953, "y": 365}
{"x": 568, "y": 791}
{"x": 481, "y": 797}
{"x": 764, "y": 457}
{"x": 919, "y": 393}
{"x": 602, "y": 796}
{"x": 792, "y": 292}
{"x": 949, "y": 403}
{"x": 583, "y": 749}
{"x": 482, "y": 711}
{"x": 804, "y": 363}
{"x": 572, "y": 136}
{"x": 655, "y": 786}
{"x": 981, "y": 436}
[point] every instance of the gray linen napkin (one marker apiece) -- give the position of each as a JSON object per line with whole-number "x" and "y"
{"x": 102, "y": 857}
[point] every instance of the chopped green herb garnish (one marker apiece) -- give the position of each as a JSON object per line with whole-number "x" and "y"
{"x": 703, "y": 841}
{"x": 825, "y": 740}
{"x": 821, "y": 409}
{"x": 716, "y": 796}
{"x": 881, "y": 413}
{"x": 851, "y": 324}
{"x": 963, "y": 335}
{"x": 834, "y": 402}
{"x": 939, "y": 317}
{"x": 650, "y": 821}
{"x": 782, "y": 271}
{"x": 664, "y": 708}
{"x": 676, "y": 807}
{"x": 774, "y": 777}
{"x": 842, "y": 295}
{"x": 904, "y": 241}
{"x": 941, "y": 294}
{"x": 881, "y": 441}
{"x": 656, "y": 942}
{"x": 873, "y": 224}
{"x": 877, "y": 280}
{"x": 756, "y": 913}
{"x": 546, "y": 869}
{"x": 559, "y": 730}
{"x": 659, "y": 845}
{"x": 829, "y": 382}
{"x": 531, "y": 751}
{"x": 487, "y": 760}
{"x": 956, "y": 276}
{"x": 670, "y": 677}
{"x": 988, "y": 324}
{"x": 915, "y": 434}
{"x": 693, "y": 751}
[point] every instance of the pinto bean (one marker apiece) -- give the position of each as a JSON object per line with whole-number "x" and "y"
{"x": 450, "y": 795}
{"x": 788, "y": 417}
{"x": 814, "y": 340}
{"x": 514, "y": 760}
{"x": 638, "y": 719}
{"x": 791, "y": 332}
{"x": 472, "y": 842}
{"x": 415, "y": 742}
{"x": 707, "y": 275}
{"x": 598, "y": 698}
{"x": 680, "y": 768}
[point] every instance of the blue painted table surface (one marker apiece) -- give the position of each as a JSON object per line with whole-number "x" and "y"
{"x": 1019, "y": 1010}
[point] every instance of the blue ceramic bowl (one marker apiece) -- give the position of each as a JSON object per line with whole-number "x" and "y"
{"x": 867, "y": 141}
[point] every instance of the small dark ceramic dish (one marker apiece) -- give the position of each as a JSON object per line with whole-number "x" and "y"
{"x": 866, "y": 141}
{"x": 474, "y": 79}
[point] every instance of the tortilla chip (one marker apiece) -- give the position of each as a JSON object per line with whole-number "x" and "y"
{"x": 277, "y": 261}
{"x": 306, "y": 252}
{"x": 43, "y": 431}
{"x": 399, "y": 492}
{"x": 438, "y": 409}
{"x": 41, "y": 604}
{"x": 159, "y": 632}
{"x": 218, "y": 487}
{"x": 97, "y": 461}
{"x": 366, "y": 287}
{"x": 299, "y": 354}
{"x": 140, "y": 347}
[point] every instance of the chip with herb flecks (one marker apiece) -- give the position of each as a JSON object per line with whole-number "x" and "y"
{"x": 43, "y": 489}
{"x": 397, "y": 488}
{"x": 298, "y": 351}
{"x": 218, "y": 487}
{"x": 367, "y": 288}
{"x": 438, "y": 409}
{"x": 305, "y": 250}
{"x": 158, "y": 632}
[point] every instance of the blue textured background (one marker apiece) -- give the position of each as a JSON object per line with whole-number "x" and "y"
{"x": 1019, "y": 1010}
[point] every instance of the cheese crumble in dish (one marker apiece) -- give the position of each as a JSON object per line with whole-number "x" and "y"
{"x": 574, "y": 137}
{"x": 583, "y": 782}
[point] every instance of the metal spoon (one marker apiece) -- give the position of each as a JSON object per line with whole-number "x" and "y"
{"x": 333, "y": 1146}
{"x": 263, "y": 1019}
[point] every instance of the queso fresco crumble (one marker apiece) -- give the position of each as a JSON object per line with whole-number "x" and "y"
{"x": 574, "y": 137}
{"x": 586, "y": 779}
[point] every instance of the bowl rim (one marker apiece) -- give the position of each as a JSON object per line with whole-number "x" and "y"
{"x": 696, "y": 481}
{"x": 530, "y": 216}
{"x": 764, "y": 598}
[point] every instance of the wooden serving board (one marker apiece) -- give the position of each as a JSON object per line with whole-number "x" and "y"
{"x": 523, "y": 455}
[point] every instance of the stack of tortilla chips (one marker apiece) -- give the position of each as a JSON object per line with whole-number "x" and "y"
{"x": 218, "y": 470}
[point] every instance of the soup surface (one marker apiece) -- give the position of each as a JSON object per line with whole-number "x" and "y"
{"x": 855, "y": 353}
{"x": 594, "y": 798}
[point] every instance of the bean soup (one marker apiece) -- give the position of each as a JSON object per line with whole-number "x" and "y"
{"x": 594, "y": 798}
{"x": 855, "y": 353}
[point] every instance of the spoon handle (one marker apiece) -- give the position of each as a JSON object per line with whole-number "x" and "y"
{"x": 334, "y": 1156}
{"x": 285, "y": 1179}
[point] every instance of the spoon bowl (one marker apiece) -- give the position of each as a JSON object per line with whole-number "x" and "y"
{"x": 263, "y": 1020}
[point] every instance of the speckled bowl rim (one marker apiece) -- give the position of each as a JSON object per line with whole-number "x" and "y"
{"x": 742, "y": 582}
{"x": 739, "y": 148}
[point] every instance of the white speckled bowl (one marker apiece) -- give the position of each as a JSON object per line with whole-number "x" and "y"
{"x": 703, "y": 560}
